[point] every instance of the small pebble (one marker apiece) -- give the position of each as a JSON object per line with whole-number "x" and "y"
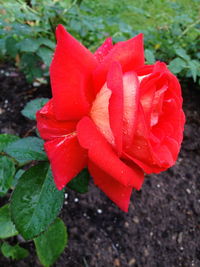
{"x": 1, "y": 111}
{"x": 76, "y": 200}
{"x": 173, "y": 237}
{"x": 117, "y": 262}
{"x": 36, "y": 84}
{"x": 146, "y": 252}
{"x": 99, "y": 211}
{"x": 66, "y": 195}
{"x": 126, "y": 224}
{"x": 135, "y": 219}
{"x": 21, "y": 239}
{"x": 132, "y": 262}
{"x": 188, "y": 191}
{"x": 180, "y": 238}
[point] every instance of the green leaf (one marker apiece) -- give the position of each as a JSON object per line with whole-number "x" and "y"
{"x": 149, "y": 55}
{"x": 6, "y": 139}
{"x": 33, "y": 106}
{"x": 26, "y": 149}
{"x": 30, "y": 64}
{"x": 51, "y": 243}
{"x": 80, "y": 182}
{"x": 14, "y": 252}
{"x": 29, "y": 45}
{"x": 7, "y": 171}
{"x": 36, "y": 201}
{"x": 193, "y": 65}
{"x": 46, "y": 55}
{"x": 18, "y": 175}
{"x": 7, "y": 228}
{"x": 182, "y": 53}
{"x": 11, "y": 48}
{"x": 2, "y": 47}
{"x": 177, "y": 65}
{"x": 47, "y": 42}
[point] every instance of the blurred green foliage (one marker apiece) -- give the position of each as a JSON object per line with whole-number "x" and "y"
{"x": 171, "y": 29}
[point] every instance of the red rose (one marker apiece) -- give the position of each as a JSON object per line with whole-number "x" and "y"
{"x": 112, "y": 113}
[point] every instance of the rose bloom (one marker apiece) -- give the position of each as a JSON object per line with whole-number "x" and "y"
{"x": 111, "y": 113}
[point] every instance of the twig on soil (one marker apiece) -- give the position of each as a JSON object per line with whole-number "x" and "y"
{"x": 29, "y": 131}
{"x": 112, "y": 243}
{"x": 29, "y": 92}
{"x": 85, "y": 262}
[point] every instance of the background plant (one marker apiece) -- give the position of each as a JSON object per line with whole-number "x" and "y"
{"x": 171, "y": 30}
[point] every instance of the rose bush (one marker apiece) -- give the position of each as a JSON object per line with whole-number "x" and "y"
{"x": 111, "y": 113}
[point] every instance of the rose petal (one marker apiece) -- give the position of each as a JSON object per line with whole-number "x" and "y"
{"x": 144, "y": 70}
{"x": 164, "y": 155}
{"x": 148, "y": 88}
{"x": 131, "y": 102}
{"x": 157, "y": 105}
{"x": 175, "y": 117}
{"x": 153, "y": 153}
{"x": 49, "y": 127}
{"x": 100, "y": 115}
{"x": 67, "y": 158}
{"x": 102, "y": 154}
{"x": 173, "y": 147}
{"x": 103, "y": 50}
{"x": 141, "y": 151}
{"x": 116, "y": 105}
{"x": 70, "y": 74}
{"x": 118, "y": 193}
{"x": 160, "y": 67}
{"x": 130, "y": 54}
{"x": 174, "y": 90}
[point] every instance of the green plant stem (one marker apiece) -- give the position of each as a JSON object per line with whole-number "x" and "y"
{"x": 5, "y": 154}
{"x": 189, "y": 27}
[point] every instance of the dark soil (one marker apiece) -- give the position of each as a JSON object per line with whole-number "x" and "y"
{"x": 162, "y": 227}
